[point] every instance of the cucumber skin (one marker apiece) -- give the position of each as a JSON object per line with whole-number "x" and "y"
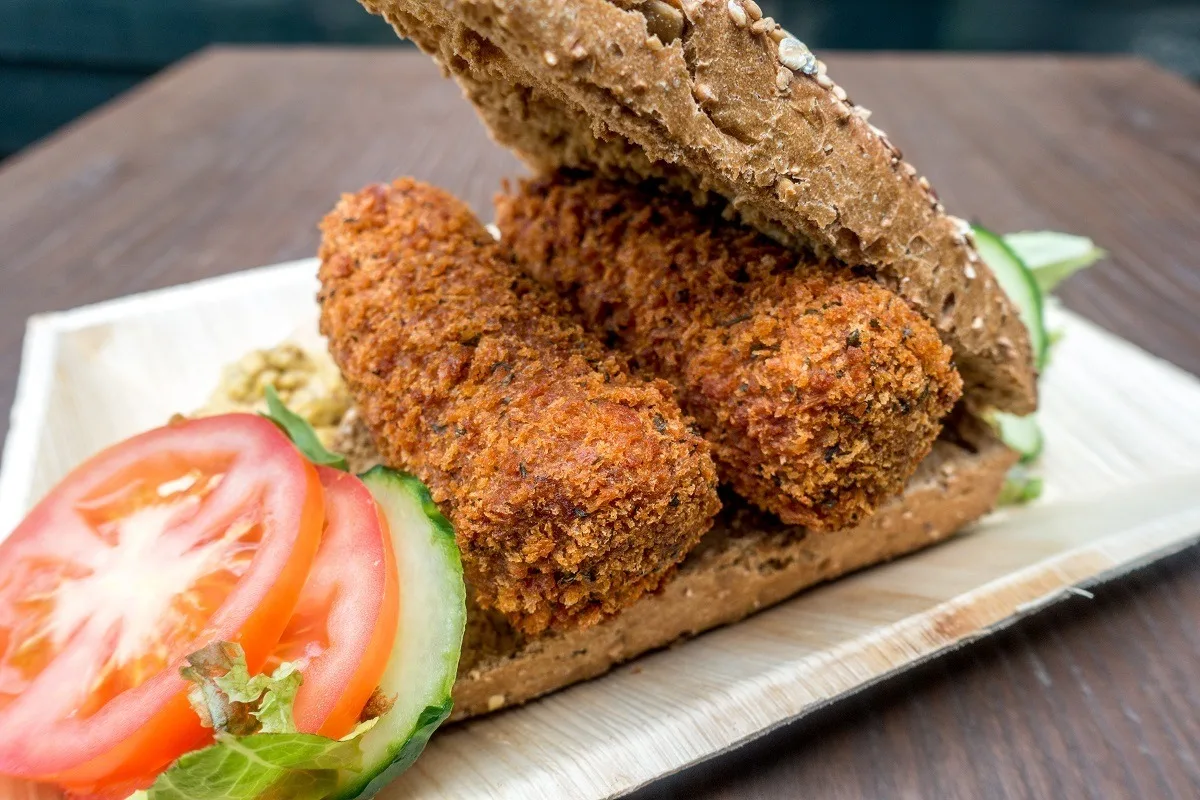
{"x": 1038, "y": 335}
{"x": 400, "y": 757}
{"x": 427, "y": 723}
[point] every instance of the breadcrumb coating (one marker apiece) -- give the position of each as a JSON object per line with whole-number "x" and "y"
{"x": 820, "y": 390}
{"x": 574, "y": 487}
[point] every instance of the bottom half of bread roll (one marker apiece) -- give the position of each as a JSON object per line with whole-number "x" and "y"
{"x": 747, "y": 562}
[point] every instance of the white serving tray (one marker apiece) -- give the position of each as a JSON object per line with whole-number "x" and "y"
{"x": 1122, "y": 469}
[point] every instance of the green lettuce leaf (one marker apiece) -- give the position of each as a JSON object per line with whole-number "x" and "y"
{"x": 262, "y": 766}
{"x": 216, "y": 709}
{"x": 228, "y": 700}
{"x": 1053, "y": 257}
{"x": 301, "y": 433}
{"x": 279, "y": 696}
{"x": 258, "y": 754}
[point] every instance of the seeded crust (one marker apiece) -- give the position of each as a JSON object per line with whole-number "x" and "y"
{"x": 721, "y": 101}
{"x": 819, "y": 391}
{"x": 747, "y": 562}
{"x": 573, "y": 486}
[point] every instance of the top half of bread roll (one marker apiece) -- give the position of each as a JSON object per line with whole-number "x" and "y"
{"x": 722, "y": 103}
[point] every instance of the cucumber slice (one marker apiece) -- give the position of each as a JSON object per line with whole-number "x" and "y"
{"x": 1020, "y": 487}
{"x": 424, "y": 660}
{"x": 1019, "y": 284}
{"x": 1022, "y": 434}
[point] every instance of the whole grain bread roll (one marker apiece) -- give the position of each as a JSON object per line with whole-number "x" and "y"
{"x": 711, "y": 97}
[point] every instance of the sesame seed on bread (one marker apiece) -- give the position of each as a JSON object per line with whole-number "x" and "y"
{"x": 719, "y": 101}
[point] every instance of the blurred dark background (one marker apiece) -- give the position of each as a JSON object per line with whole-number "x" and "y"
{"x": 59, "y": 58}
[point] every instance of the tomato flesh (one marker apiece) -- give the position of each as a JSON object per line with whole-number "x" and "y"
{"x": 197, "y": 532}
{"x": 342, "y": 630}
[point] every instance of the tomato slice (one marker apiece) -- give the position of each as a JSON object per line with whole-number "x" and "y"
{"x": 342, "y": 631}
{"x": 345, "y": 623}
{"x": 200, "y": 531}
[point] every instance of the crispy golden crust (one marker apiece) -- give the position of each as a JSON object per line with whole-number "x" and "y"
{"x": 573, "y": 487}
{"x": 820, "y": 392}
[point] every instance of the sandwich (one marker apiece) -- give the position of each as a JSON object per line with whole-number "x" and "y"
{"x": 722, "y": 345}
{"x": 752, "y": 277}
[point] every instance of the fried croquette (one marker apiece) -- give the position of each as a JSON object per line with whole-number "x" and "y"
{"x": 573, "y": 486}
{"x": 820, "y": 390}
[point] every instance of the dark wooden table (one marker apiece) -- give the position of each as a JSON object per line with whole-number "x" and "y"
{"x": 228, "y": 160}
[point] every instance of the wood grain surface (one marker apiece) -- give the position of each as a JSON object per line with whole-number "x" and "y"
{"x": 228, "y": 160}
